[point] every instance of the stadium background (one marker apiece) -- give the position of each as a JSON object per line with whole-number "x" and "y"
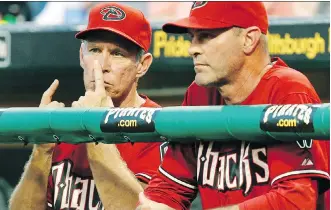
{"x": 37, "y": 45}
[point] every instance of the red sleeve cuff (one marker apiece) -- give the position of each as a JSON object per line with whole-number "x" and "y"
{"x": 321, "y": 176}
{"x": 143, "y": 177}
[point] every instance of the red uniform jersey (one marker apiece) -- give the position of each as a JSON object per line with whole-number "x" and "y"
{"x": 71, "y": 185}
{"x": 233, "y": 172}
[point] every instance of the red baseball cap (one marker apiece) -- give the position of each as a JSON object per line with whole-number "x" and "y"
{"x": 213, "y": 15}
{"x": 120, "y": 19}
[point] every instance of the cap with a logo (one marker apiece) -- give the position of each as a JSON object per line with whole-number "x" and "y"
{"x": 122, "y": 20}
{"x": 213, "y": 15}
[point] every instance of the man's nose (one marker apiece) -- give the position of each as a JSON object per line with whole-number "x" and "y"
{"x": 105, "y": 62}
{"x": 195, "y": 49}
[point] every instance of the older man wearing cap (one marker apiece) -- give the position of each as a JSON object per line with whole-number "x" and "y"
{"x": 113, "y": 56}
{"x": 233, "y": 67}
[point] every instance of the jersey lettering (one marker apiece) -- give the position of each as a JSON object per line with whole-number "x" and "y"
{"x": 163, "y": 149}
{"x": 305, "y": 144}
{"x": 73, "y": 192}
{"x": 237, "y": 169}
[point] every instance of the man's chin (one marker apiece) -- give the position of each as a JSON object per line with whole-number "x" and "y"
{"x": 114, "y": 95}
{"x": 201, "y": 82}
{"x": 204, "y": 82}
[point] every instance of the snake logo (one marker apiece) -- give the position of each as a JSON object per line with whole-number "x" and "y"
{"x": 198, "y": 4}
{"x": 112, "y": 13}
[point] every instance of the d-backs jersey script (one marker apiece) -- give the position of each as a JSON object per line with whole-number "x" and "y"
{"x": 231, "y": 173}
{"x": 71, "y": 185}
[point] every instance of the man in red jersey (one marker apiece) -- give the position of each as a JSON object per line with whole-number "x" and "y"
{"x": 233, "y": 67}
{"x": 114, "y": 55}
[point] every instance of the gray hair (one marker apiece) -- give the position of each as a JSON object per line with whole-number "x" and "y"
{"x": 263, "y": 38}
{"x": 237, "y": 31}
{"x": 141, "y": 52}
{"x": 264, "y": 43}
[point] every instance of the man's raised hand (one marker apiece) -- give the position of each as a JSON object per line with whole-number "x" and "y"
{"x": 46, "y": 99}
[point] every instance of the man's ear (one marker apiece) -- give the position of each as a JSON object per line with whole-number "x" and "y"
{"x": 144, "y": 64}
{"x": 252, "y": 39}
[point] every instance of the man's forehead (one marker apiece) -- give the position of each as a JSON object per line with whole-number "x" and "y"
{"x": 108, "y": 44}
{"x": 96, "y": 42}
{"x": 105, "y": 37}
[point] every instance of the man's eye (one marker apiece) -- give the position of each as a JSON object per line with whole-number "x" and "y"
{"x": 206, "y": 36}
{"x": 94, "y": 50}
{"x": 118, "y": 53}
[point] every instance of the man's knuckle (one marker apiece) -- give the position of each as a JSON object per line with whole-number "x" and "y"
{"x": 74, "y": 104}
{"x": 87, "y": 93}
{"x": 101, "y": 95}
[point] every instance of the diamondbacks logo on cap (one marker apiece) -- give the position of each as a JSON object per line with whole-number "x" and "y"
{"x": 198, "y": 4}
{"x": 112, "y": 13}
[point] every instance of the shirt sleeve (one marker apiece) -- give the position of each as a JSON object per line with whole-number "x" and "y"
{"x": 306, "y": 158}
{"x": 146, "y": 159}
{"x": 301, "y": 167}
{"x": 282, "y": 197}
{"x": 175, "y": 183}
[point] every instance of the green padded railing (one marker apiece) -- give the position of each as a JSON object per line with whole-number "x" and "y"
{"x": 265, "y": 123}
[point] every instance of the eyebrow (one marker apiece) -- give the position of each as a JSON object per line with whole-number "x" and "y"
{"x": 198, "y": 31}
{"x": 91, "y": 44}
{"x": 117, "y": 48}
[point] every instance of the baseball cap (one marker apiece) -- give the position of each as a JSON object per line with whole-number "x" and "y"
{"x": 213, "y": 15}
{"x": 123, "y": 20}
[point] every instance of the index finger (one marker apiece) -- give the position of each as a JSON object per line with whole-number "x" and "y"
{"x": 48, "y": 94}
{"x": 98, "y": 77}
